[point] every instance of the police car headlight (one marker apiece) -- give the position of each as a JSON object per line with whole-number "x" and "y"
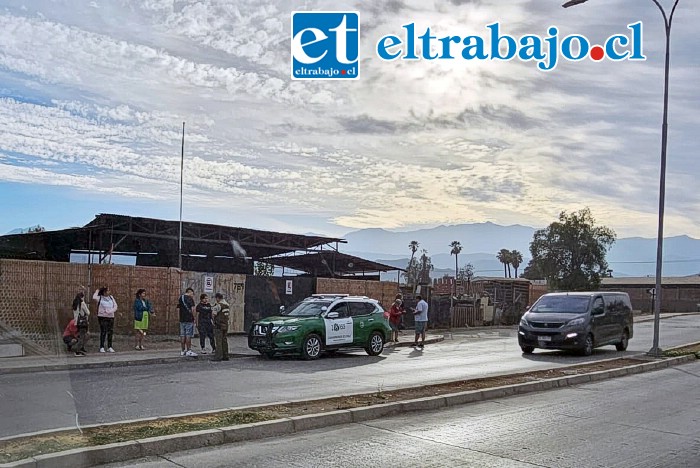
{"x": 285, "y": 328}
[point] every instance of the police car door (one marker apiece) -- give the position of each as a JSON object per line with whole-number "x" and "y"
{"x": 361, "y": 313}
{"x": 339, "y": 330}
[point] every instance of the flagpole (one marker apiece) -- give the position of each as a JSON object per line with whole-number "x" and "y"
{"x": 182, "y": 171}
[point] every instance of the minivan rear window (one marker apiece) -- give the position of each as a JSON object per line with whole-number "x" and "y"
{"x": 561, "y": 305}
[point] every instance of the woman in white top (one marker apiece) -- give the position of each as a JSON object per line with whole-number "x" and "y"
{"x": 106, "y": 307}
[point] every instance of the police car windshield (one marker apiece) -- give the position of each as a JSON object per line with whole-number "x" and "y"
{"x": 561, "y": 305}
{"x": 307, "y": 308}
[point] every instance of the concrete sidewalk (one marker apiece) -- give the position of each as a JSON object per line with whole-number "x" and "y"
{"x": 155, "y": 353}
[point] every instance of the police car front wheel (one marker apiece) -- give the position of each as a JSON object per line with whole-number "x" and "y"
{"x": 311, "y": 348}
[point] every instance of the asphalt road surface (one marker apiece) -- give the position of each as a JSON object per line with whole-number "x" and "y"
{"x": 648, "y": 420}
{"x": 50, "y": 400}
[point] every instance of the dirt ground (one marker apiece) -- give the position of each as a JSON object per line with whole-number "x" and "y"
{"x": 16, "y": 449}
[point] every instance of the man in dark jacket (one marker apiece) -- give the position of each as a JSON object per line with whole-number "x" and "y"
{"x": 205, "y": 323}
{"x": 222, "y": 312}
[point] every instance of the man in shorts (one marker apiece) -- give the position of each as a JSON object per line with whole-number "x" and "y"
{"x": 420, "y": 314}
{"x": 187, "y": 323}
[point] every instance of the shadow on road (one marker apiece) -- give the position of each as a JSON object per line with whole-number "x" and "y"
{"x": 573, "y": 358}
{"x": 291, "y": 364}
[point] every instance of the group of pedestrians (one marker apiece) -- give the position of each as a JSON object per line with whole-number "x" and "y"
{"x": 420, "y": 317}
{"x": 211, "y": 321}
{"x": 76, "y": 335}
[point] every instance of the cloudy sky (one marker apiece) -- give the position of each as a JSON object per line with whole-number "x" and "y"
{"x": 93, "y": 95}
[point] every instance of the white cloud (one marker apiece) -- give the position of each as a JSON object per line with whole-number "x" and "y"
{"x": 99, "y": 94}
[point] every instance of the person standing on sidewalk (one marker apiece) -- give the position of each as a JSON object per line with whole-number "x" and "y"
{"x": 187, "y": 322}
{"x": 399, "y": 297}
{"x": 143, "y": 311}
{"x": 205, "y": 324}
{"x": 395, "y": 316}
{"x": 420, "y": 314}
{"x": 222, "y": 312}
{"x": 81, "y": 315}
{"x": 106, "y": 308}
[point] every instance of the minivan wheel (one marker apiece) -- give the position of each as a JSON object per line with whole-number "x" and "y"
{"x": 527, "y": 349}
{"x": 587, "y": 349}
{"x": 375, "y": 345}
{"x": 311, "y": 348}
{"x": 622, "y": 345}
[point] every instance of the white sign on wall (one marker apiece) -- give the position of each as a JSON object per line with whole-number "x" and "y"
{"x": 289, "y": 287}
{"x": 208, "y": 284}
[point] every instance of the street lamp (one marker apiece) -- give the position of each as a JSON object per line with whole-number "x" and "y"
{"x": 668, "y": 21}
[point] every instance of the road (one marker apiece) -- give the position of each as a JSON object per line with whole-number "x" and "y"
{"x": 625, "y": 422}
{"x": 50, "y": 400}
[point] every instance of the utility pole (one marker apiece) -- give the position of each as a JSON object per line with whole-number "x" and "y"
{"x": 182, "y": 173}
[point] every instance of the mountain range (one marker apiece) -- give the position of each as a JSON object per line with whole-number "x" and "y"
{"x": 631, "y": 256}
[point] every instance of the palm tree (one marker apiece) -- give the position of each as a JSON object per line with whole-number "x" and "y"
{"x": 456, "y": 249}
{"x": 516, "y": 258}
{"x": 413, "y": 245}
{"x": 503, "y": 257}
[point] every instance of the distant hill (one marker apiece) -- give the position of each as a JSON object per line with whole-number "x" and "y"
{"x": 475, "y": 238}
{"x": 633, "y": 256}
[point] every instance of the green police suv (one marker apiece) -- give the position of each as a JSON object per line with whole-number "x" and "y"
{"x": 322, "y": 322}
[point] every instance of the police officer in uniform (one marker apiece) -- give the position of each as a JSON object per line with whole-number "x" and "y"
{"x": 221, "y": 311}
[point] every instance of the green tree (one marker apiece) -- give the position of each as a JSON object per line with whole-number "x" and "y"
{"x": 570, "y": 253}
{"x": 533, "y": 272}
{"x": 466, "y": 273}
{"x": 411, "y": 273}
{"x": 425, "y": 266}
{"x": 516, "y": 259}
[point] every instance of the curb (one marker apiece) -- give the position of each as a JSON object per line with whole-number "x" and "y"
{"x": 105, "y": 364}
{"x": 86, "y": 457}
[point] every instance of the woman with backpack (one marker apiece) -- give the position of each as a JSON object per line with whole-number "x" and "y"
{"x": 106, "y": 307}
{"x": 143, "y": 310}
{"x": 81, "y": 314}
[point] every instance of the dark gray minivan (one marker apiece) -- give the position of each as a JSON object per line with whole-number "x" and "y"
{"x": 577, "y": 321}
